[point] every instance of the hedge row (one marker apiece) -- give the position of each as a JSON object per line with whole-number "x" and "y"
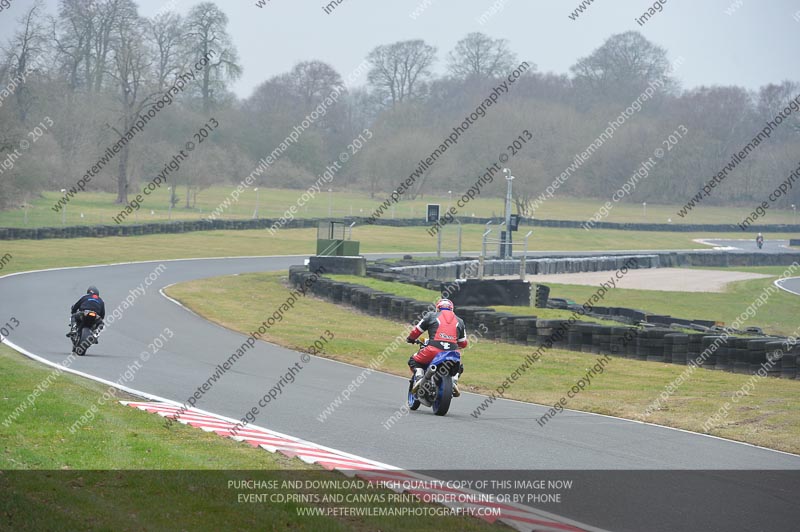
{"x": 657, "y": 344}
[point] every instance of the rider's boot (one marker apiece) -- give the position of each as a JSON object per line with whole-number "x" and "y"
{"x": 418, "y": 374}
{"x": 456, "y": 391}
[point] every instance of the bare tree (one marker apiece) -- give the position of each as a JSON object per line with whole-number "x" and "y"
{"x": 479, "y": 56}
{"x": 400, "y": 70}
{"x": 166, "y": 31}
{"x": 208, "y": 38}
{"x": 624, "y": 65}
{"x": 71, "y": 32}
{"x": 107, "y": 15}
{"x": 131, "y": 73}
{"x": 773, "y": 99}
{"x": 314, "y": 80}
{"x": 24, "y": 49}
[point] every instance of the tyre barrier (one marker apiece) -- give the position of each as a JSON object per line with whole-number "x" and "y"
{"x": 481, "y": 319}
{"x": 650, "y": 344}
{"x": 738, "y": 355}
{"x": 601, "y": 340}
{"x": 505, "y": 322}
{"x": 711, "y": 351}
{"x": 774, "y": 357}
{"x": 555, "y": 332}
{"x": 204, "y": 224}
{"x": 188, "y": 226}
{"x": 575, "y": 337}
{"x": 789, "y": 363}
{"x": 494, "y": 326}
{"x": 586, "y": 330}
{"x": 447, "y": 271}
{"x": 676, "y": 346}
{"x": 710, "y": 355}
{"x": 757, "y": 353}
{"x": 524, "y": 327}
{"x": 694, "y": 348}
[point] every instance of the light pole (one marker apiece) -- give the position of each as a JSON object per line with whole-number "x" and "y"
{"x": 482, "y": 257}
{"x": 794, "y": 217}
{"x": 522, "y": 266}
{"x": 255, "y": 212}
{"x": 64, "y": 211}
{"x": 507, "y": 246}
{"x": 460, "y": 233}
{"x": 169, "y": 208}
{"x": 330, "y": 203}
{"x": 451, "y": 197}
{"x": 644, "y": 208}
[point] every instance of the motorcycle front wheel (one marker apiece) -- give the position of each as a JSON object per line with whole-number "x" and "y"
{"x": 413, "y": 402}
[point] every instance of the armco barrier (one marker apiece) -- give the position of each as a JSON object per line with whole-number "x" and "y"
{"x": 657, "y": 344}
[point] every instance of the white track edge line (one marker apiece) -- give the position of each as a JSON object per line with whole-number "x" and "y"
{"x": 777, "y": 283}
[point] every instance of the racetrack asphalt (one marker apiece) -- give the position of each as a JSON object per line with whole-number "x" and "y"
{"x": 506, "y": 437}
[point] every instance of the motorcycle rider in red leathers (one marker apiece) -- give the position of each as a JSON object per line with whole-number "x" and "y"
{"x": 446, "y": 331}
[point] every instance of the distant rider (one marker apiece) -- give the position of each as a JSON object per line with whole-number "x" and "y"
{"x": 445, "y": 332}
{"x": 759, "y": 240}
{"x": 90, "y": 301}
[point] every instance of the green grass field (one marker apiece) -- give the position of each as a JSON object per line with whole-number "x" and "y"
{"x": 99, "y": 208}
{"x": 73, "y": 493}
{"x": 768, "y": 416}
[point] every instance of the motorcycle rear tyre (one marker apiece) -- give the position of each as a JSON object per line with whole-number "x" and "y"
{"x": 84, "y": 342}
{"x": 443, "y": 397}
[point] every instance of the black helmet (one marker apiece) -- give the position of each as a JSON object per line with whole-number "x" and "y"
{"x": 93, "y": 290}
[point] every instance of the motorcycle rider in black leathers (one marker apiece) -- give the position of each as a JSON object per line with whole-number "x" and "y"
{"x": 90, "y": 301}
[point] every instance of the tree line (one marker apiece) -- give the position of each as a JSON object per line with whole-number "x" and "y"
{"x": 94, "y": 66}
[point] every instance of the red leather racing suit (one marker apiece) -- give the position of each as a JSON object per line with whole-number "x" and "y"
{"x": 446, "y": 331}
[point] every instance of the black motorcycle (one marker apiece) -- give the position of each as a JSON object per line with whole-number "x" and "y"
{"x": 760, "y": 242}
{"x": 85, "y": 334}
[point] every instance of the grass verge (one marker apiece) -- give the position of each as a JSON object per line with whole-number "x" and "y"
{"x": 768, "y": 416}
{"x": 174, "y": 479}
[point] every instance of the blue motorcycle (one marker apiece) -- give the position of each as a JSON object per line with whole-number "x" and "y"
{"x": 436, "y": 390}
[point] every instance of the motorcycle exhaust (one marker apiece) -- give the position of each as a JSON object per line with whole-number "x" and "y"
{"x": 430, "y": 371}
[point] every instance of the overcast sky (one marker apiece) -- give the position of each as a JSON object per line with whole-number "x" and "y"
{"x": 754, "y": 45}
